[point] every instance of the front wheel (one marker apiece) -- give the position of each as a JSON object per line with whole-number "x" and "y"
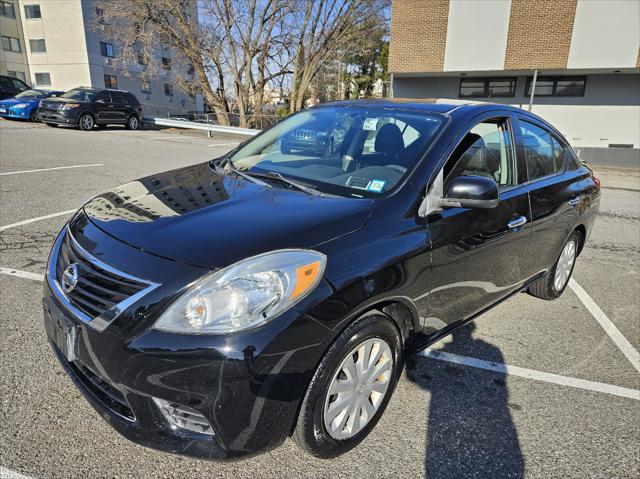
{"x": 86, "y": 122}
{"x": 351, "y": 388}
{"x": 33, "y": 116}
{"x": 552, "y": 285}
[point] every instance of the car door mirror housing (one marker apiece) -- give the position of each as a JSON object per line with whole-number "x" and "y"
{"x": 471, "y": 192}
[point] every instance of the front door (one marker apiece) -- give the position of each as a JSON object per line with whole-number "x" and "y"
{"x": 477, "y": 254}
{"x": 103, "y": 107}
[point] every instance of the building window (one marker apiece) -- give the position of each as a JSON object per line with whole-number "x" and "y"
{"x": 166, "y": 63}
{"x": 110, "y": 81}
{"x": 43, "y": 79}
{"x": 145, "y": 86}
{"x": 32, "y": 11}
{"x": 7, "y": 10}
{"x": 10, "y": 44}
{"x": 18, "y": 75}
{"x": 487, "y": 87}
{"x": 38, "y": 46}
{"x": 558, "y": 86}
{"x": 106, "y": 49}
{"x": 168, "y": 89}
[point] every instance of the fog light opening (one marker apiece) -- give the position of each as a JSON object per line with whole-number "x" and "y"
{"x": 184, "y": 417}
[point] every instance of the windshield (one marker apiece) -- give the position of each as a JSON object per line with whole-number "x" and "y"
{"x": 352, "y": 151}
{"x": 81, "y": 95}
{"x": 31, "y": 94}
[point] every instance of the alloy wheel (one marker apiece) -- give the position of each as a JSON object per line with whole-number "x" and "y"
{"x": 358, "y": 388}
{"x": 565, "y": 265}
{"x": 87, "y": 122}
{"x": 133, "y": 123}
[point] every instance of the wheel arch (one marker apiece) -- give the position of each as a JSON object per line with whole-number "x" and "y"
{"x": 582, "y": 229}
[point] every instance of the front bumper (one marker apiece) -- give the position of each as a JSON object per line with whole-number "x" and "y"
{"x": 248, "y": 385}
{"x": 15, "y": 113}
{"x": 61, "y": 117}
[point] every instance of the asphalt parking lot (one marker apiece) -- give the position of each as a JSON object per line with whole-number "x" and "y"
{"x": 536, "y": 389}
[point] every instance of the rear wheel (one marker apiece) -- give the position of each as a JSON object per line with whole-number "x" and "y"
{"x": 351, "y": 388}
{"x": 553, "y": 284}
{"x": 86, "y": 122}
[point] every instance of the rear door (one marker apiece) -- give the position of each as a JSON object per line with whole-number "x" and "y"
{"x": 555, "y": 191}
{"x": 120, "y": 107}
{"x": 477, "y": 254}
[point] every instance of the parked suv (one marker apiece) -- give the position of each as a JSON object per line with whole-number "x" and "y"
{"x": 10, "y": 86}
{"x": 216, "y": 309}
{"x": 87, "y": 107}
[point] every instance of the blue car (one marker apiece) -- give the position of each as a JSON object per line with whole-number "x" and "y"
{"x": 24, "y": 106}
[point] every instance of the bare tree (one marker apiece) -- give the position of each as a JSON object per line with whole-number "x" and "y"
{"x": 144, "y": 28}
{"x": 321, "y": 28}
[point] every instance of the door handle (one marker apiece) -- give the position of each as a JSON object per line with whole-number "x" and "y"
{"x": 574, "y": 201}
{"x": 517, "y": 222}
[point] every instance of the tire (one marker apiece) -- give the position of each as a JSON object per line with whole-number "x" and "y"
{"x": 311, "y": 433}
{"x": 86, "y": 122}
{"x": 33, "y": 116}
{"x": 554, "y": 282}
{"x": 133, "y": 123}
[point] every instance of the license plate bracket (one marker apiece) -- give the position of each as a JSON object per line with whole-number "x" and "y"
{"x": 64, "y": 335}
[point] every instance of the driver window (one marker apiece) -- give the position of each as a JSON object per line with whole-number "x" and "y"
{"x": 485, "y": 151}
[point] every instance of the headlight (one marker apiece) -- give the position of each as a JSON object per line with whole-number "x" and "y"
{"x": 246, "y": 294}
{"x": 69, "y": 106}
{"x": 21, "y": 105}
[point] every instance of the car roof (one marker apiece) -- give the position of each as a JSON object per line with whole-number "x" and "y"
{"x": 98, "y": 89}
{"x": 433, "y": 105}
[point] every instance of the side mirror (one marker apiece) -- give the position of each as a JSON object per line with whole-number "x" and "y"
{"x": 471, "y": 192}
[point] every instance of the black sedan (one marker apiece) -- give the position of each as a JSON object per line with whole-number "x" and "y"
{"x": 217, "y": 309}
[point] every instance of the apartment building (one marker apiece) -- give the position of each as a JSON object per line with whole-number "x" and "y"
{"x": 64, "y": 46}
{"x": 586, "y": 54}
{"x": 13, "y": 54}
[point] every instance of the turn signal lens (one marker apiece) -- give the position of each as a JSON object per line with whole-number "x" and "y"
{"x": 305, "y": 278}
{"x": 596, "y": 181}
{"x": 69, "y": 106}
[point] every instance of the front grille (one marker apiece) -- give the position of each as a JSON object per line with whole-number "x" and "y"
{"x": 111, "y": 397}
{"x": 97, "y": 289}
{"x": 92, "y": 290}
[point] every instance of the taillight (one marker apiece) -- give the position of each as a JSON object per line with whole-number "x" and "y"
{"x": 596, "y": 181}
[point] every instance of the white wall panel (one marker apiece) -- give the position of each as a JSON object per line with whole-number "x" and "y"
{"x": 606, "y": 34}
{"x": 477, "y": 33}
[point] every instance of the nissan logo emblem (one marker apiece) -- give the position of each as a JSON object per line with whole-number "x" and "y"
{"x": 70, "y": 278}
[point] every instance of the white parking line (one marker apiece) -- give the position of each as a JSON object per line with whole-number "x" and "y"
{"x": 9, "y": 474}
{"x": 22, "y": 274}
{"x": 623, "y": 344}
{"x": 33, "y": 220}
{"x": 532, "y": 374}
{"x": 50, "y": 169}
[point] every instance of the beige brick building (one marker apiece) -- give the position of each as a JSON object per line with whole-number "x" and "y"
{"x": 586, "y": 53}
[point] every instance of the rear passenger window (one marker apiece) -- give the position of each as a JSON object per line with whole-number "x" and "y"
{"x": 543, "y": 153}
{"x": 117, "y": 97}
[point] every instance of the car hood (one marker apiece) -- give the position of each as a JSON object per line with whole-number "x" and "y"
{"x": 197, "y": 216}
{"x": 9, "y": 102}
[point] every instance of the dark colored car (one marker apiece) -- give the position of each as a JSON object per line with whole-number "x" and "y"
{"x": 217, "y": 309}
{"x": 303, "y": 140}
{"x": 10, "y": 86}
{"x": 87, "y": 107}
{"x": 24, "y": 106}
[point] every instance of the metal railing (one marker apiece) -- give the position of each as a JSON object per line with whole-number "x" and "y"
{"x": 194, "y": 125}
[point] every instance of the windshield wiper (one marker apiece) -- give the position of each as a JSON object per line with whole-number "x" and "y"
{"x": 219, "y": 165}
{"x": 274, "y": 175}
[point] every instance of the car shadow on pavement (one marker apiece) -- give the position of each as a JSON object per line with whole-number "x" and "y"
{"x": 470, "y": 430}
